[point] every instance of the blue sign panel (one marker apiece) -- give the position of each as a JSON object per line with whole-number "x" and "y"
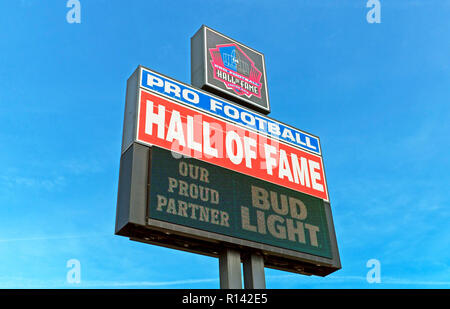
{"x": 228, "y": 111}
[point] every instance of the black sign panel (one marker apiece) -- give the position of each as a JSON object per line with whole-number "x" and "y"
{"x": 200, "y": 195}
{"x": 187, "y": 204}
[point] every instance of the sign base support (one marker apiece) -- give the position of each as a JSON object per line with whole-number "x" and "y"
{"x": 230, "y": 269}
{"x": 254, "y": 272}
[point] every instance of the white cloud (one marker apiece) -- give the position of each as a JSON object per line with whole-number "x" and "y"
{"x": 46, "y": 183}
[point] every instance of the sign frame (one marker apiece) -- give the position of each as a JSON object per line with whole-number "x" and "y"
{"x": 132, "y": 218}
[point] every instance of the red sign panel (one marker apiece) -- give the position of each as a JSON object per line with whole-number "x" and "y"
{"x": 190, "y": 132}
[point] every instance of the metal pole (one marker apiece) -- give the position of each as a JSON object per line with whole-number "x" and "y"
{"x": 254, "y": 272}
{"x": 230, "y": 269}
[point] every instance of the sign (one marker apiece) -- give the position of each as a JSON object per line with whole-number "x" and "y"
{"x": 192, "y": 193}
{"x": 174, "y": 126}
{"x": 228, "y": 111}
{"x": 229, "y": 68}
{"x": 200, "y": 173}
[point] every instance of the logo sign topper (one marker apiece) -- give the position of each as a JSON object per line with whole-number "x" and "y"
{"x": 187, "y": 129}
{"x": 236, "y": 70}
{"x": 229, "y": 69}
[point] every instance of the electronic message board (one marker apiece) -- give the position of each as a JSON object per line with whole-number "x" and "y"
{"x": 192, "y": 193}
{"x": 230, "y": 69}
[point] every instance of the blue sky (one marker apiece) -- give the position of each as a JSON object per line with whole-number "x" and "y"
{"x": 377, "y": 95}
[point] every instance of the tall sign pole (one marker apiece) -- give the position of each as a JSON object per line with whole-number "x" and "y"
{"x": 230, "y": 269}
{"x": 203, "y": 169}
{"x": 254, "y": 277}
{"x": 236, "y": 72}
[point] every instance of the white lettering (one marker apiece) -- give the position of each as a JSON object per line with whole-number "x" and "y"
{"x": 284, "y": 169}
{"x": 215, "y": 105}
{"x": 190, "y": 96}
{"x": 207, "y": 149}
{"x": 313, "y": 166}
{"x": 229, "y": 139}
{"x": 298, "y": 139}
{"x": 270, "y": 161}
{"x": 287, "y": 134}
{"x": 153, "y": 118}
{"x": 300, "y": 172}
{"x": 274, "y": 128}
{"x": 190, "y": 135}
{"x": 175, "y": 130}
{"x": 154, "y": 81}
{"x": 234, "y": 114}
{"x": 248, "y": 119}
{"x": 172, "y": 88}
{"x": 249, "y": 152}
{"x": 261, "y": 124}
{"x": 308, "y": 142}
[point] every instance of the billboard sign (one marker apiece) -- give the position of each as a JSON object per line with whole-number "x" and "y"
{"x": 193, "y": 193}
{"x": 229, "y": 68}
{"x": 174, "y": 126}
{"x": 200, "y": 173}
